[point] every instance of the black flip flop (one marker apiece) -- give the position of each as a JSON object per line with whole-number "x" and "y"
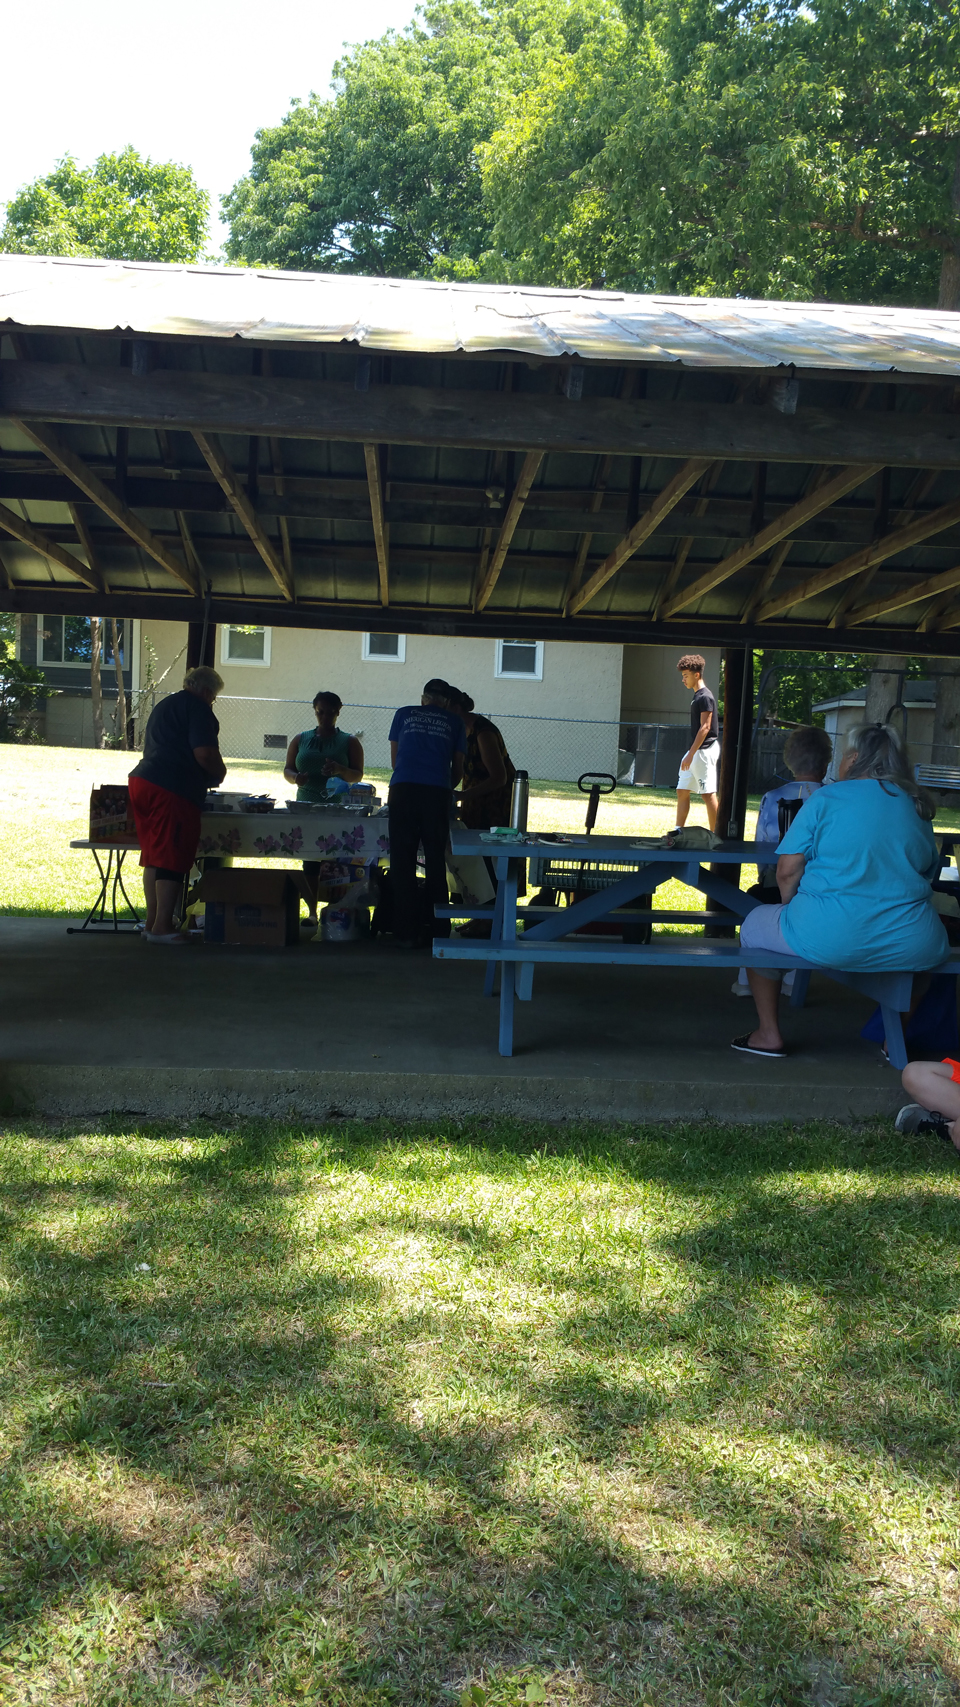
{"x": 746, "y": 1048}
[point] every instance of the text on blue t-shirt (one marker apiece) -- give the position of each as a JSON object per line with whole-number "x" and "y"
{"x": 427, "y": 737}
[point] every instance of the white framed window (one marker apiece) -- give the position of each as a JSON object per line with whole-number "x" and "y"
{"x": 244, "y": 643}
{"x": 384, "y": 649}
{"x": 521, "y": 659}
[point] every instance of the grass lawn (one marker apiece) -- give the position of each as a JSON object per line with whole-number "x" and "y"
{"x": 364, "y": 1417}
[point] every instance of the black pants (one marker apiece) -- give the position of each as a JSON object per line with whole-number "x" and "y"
{"x": 418, "y": 813}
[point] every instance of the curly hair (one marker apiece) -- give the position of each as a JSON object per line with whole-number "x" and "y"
{"x": 692, "y": 661}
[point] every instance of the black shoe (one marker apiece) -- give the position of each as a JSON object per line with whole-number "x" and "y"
{"x": 925, "y": 1122}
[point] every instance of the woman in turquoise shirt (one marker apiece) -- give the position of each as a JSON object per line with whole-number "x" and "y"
{"x": 854, "y": 871}
{"x": 314, "y": 758}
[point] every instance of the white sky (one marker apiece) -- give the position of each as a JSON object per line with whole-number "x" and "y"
{"x": 188, "y": 80}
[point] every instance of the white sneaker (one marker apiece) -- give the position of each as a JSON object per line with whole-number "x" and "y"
{"x": 738, "y": 989}
{"x": 176, "y": 939}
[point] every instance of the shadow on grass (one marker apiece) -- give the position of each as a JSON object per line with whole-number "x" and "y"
{"x": 394, "y": 1556}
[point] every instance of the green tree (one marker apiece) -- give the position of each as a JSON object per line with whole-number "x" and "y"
{"x": 755, "y": 147}
{"x": 788, "y": 684}
{"x": 383, "y": 177}
{"x": 121, "y": 208}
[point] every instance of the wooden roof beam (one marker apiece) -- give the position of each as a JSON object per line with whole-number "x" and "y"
{"x": 806, "y": 507}
{"x": 900, "y": 539}
{"x": 373, "y": 457}
{"x": 931, "y": 587}
{"x": 437, "y": 417}
{"x": 29, "y": 535}
{"x": 508, "y": 527}
{"x": 648, "y": 523}
{"x": 219, "y": 465}
{"x": 92, "y": 487}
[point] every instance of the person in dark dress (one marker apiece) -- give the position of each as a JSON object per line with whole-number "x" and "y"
{"x": 181, "y": 760}
{"x": 486, "y": 790}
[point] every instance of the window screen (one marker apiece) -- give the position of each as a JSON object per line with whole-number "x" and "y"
{"x": 246, "y": 644}
{"x": 383, "y": 645}
{"x": 520, "y": 658}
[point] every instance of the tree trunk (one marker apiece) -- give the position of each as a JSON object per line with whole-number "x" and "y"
{"x": 96, "y": 683}
{"x": 883, "y": 688}
{"x": 946, "y": 716}
{"x": 950, "y": 267}
{"x": 121, "y": 690}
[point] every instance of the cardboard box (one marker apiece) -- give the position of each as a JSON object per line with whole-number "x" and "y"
{"x": 111, "y": 815}
{"x": 260, "y": 909}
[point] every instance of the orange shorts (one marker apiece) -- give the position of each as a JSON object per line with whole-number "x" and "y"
{"x": 955, "y": 1075}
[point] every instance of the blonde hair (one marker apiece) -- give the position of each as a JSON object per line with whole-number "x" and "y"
{"x": 201, "y": 679}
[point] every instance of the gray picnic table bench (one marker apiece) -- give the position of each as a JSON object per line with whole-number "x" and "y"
{"x": 550, "y": 942}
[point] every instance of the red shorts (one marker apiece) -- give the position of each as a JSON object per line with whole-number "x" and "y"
{"x": 955, "y": 1075}
{"x": 168, "y": 827}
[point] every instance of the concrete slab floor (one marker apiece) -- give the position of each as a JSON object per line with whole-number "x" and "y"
{"x": 369, "y": 1027}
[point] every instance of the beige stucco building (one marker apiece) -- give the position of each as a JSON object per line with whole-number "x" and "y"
{"x": 561, "y": 706}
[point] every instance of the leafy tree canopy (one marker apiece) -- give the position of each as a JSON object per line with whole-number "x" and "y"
{"x": 383, "y": 178}
{"x": 121, "y": 208}
{"x": 792, "y": 682}
{"x": 759, "y": 147}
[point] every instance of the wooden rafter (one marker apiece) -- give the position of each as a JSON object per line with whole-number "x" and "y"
{"x": 381, "y": 530}
{"x": 29, "y": 535}
{"x": 919, "y": 488}
{"x": 583, "y": 543}
{"x": 508, "y": 527}
{"x": 684, "y": 544}
{"x": 806, "y": 507}
{"x": 219, "y": 465}
{"x": 436, "y": 417}
{"x": 900, "y": 539}
{"x": 93, "y": 488}
{"x": 648, "y": 523}
{"x": 911, "y": 594}
{"x": 86, "y": 540}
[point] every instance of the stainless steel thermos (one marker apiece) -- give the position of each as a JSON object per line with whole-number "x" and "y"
{"x": 520, "y": 801}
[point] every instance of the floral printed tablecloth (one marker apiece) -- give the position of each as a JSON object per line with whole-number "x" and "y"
{"x": 292, "y": 835}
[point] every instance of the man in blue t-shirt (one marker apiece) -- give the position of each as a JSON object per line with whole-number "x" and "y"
{"x": 427, "y": 746}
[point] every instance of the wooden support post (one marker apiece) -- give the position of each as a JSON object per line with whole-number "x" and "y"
{"x": 734, "y": 761}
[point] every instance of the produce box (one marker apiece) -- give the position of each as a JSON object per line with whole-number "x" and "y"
{"x": 258, "y": 908}
{"x": 111, "y": 815}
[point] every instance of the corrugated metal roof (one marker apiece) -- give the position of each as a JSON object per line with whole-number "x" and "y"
{"x": 411, "y": 315}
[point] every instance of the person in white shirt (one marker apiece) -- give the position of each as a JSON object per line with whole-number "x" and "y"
{"x": 807, "y": 753}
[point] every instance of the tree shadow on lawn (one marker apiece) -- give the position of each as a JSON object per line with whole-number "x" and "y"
{"x": 404, "y": 1555}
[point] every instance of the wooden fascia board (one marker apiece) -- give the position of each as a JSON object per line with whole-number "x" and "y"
{"x": 381, "y": 531}
{"x": 92, "y": 487}
{"x": 663, "y": 503}
{"x": 508, "y": 527}
{"x": 220, "y": 467}
{"x": 438, "y": 417}
{"x": 900, "y": 539}
{"x": 809, "y": 505}
{"x": 27, "y": 534}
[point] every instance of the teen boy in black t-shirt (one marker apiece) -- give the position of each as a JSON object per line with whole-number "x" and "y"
{"x": 698, "y": 767}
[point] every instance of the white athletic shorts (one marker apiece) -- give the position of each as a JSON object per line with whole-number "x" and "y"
{"x": 701, "y": 778}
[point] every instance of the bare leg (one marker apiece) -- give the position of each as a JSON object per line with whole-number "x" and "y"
{"x": 766, "y": 994}
{"x": 150, "y": 894}
{"x": 311, "y": 886}
{"x": 683, "y": 806}
{"x": 168, "y": 894}
{"x": 932, "y": 1085}
{"x": 710, "y": 802}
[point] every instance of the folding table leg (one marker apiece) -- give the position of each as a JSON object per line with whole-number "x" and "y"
{"x": 507, "y": 982}
{"x": 801, "y": 984}
{"x": 496, "y": 932}
{"x": 525, "y": 981}
{"x": 893, "y": 1035}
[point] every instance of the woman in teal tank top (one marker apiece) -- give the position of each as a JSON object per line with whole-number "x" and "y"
{"x": 313, "y": 758}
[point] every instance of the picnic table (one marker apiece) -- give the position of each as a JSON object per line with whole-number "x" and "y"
{"x": 548, "y": 937}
